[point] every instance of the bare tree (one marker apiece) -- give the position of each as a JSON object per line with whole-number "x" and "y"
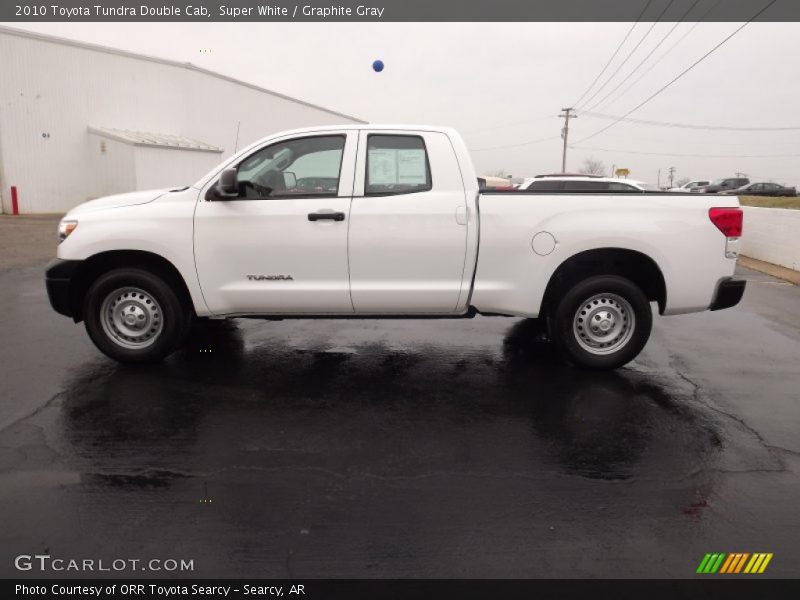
{"x": 593, "y": 166}
{"x": 682, "y": 181}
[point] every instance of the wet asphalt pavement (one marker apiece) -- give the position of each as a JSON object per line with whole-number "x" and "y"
{"x": 403, "y": 448}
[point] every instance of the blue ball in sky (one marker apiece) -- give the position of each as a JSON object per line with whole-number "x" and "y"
{"x": 377, "y": 66}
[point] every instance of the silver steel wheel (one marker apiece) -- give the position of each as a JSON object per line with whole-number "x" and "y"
{"x": 131, "y": 318}
{"x": 604, "y": 323}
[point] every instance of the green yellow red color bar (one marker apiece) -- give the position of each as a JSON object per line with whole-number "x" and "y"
{"x": 735, "y": 562}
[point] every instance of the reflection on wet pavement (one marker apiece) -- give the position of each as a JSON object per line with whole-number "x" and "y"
{"x": 397, "y": 406}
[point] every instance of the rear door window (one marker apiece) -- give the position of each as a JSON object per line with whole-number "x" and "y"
{"x": 396, "y": 164}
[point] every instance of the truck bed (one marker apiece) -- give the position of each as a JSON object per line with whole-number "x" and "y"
{"x": 673, "y": 229}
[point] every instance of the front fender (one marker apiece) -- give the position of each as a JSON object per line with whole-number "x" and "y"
{"x": 162, "y": 227}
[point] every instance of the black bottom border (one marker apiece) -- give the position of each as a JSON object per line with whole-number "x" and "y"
{"x": 405, "y": 589}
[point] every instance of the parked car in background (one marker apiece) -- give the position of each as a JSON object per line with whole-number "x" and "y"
{"x": 762, "y": 189}
{"x": 584, "y": 183}
{"x": 690, "y": 186}
{"x": 528, "y": 180}
{"x": 721, "y": 185}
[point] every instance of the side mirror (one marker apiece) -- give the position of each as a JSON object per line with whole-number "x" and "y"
{"x": 226, "y": 188}
{"x": 289, "y": 180}
{"x": 228, "y": 185}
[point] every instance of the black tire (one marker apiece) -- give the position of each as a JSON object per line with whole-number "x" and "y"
{"x": 606, "y": 301}
{"x": 158, "y": 302}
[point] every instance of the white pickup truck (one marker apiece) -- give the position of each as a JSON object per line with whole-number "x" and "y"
{"x": 384, "y": 222}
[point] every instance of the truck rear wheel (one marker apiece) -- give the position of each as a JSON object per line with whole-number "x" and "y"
{"x": 602, "y": 322}
{"x": 134, "y": 316}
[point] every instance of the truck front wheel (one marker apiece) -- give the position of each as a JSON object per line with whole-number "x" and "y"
{"x": 134, "y": 316}
{"x": 602, "y": 322}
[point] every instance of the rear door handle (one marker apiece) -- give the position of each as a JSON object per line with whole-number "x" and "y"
{"x": 332, "y": 216}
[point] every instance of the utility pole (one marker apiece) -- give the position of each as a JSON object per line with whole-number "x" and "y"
{"x": 564, "y": 133}
{"x": 671, "y": 175}
{"x": 741, "y": 174}
{"x": 658, "y": 185}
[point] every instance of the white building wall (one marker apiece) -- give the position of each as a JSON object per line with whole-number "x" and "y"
{"x": 772, "y": 235}
{"x": 52, "y": 90}
{"x": 110, "y": 171}
{"x": 166, "y": 167}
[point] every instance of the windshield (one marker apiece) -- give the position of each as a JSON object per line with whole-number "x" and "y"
{"x": 717, "y": 181}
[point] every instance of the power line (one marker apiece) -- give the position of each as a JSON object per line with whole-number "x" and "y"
{"x": 528, "y": 143}
{"x": 682, "y": 73}
{"x": 614, "y": 55}
{"x": 715, "y": 144}
{"x": 686, "y": 125}
{"x": 543, "y": 117}
{"x": 645, "y": 59}
{"x": 658, "y": 60}
{"x": 701, "y": 19}
{"x": 507, "y": 124}
{"x": 618, "y": 151}
{"x": 627, "y": 58}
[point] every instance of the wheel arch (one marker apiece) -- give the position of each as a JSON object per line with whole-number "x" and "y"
{"x": 631, "y": 264}
{"x": 98, "y": 264}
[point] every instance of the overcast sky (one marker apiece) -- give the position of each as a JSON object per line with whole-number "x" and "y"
{"x": 502, "y": 85}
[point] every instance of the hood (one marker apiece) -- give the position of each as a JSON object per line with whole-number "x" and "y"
{"x": 117, "y": 201}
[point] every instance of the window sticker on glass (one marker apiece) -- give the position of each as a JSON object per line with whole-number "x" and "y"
{"x": 382, "y": 166}
{"x": 411, "y": 166}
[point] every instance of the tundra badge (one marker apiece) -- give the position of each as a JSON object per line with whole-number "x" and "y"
{"x": 270, "y": 278}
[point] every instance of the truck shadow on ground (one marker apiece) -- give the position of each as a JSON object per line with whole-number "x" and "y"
{"x": 378, "y": 409}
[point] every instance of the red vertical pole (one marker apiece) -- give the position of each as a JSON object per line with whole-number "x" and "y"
{"x": 14, "y": 203}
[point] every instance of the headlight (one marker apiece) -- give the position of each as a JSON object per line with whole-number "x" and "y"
{"x": 65, "y": 228}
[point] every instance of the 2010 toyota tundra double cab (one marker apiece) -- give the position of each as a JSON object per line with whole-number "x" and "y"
{"x": 388, "y": 221}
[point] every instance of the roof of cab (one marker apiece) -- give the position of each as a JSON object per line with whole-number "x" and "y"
{"x": 369, "y": 126}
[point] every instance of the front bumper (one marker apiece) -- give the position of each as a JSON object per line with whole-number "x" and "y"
{"x": 59, "y": 277}
{"x": 729, "y": 293}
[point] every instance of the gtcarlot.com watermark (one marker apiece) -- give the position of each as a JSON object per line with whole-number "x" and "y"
{"x": 46, "y": 563}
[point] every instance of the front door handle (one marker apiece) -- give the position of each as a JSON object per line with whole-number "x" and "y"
{"x": 332, "y": 216}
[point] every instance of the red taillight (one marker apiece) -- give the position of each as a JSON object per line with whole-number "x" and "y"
{"x": 727, "y": 220}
